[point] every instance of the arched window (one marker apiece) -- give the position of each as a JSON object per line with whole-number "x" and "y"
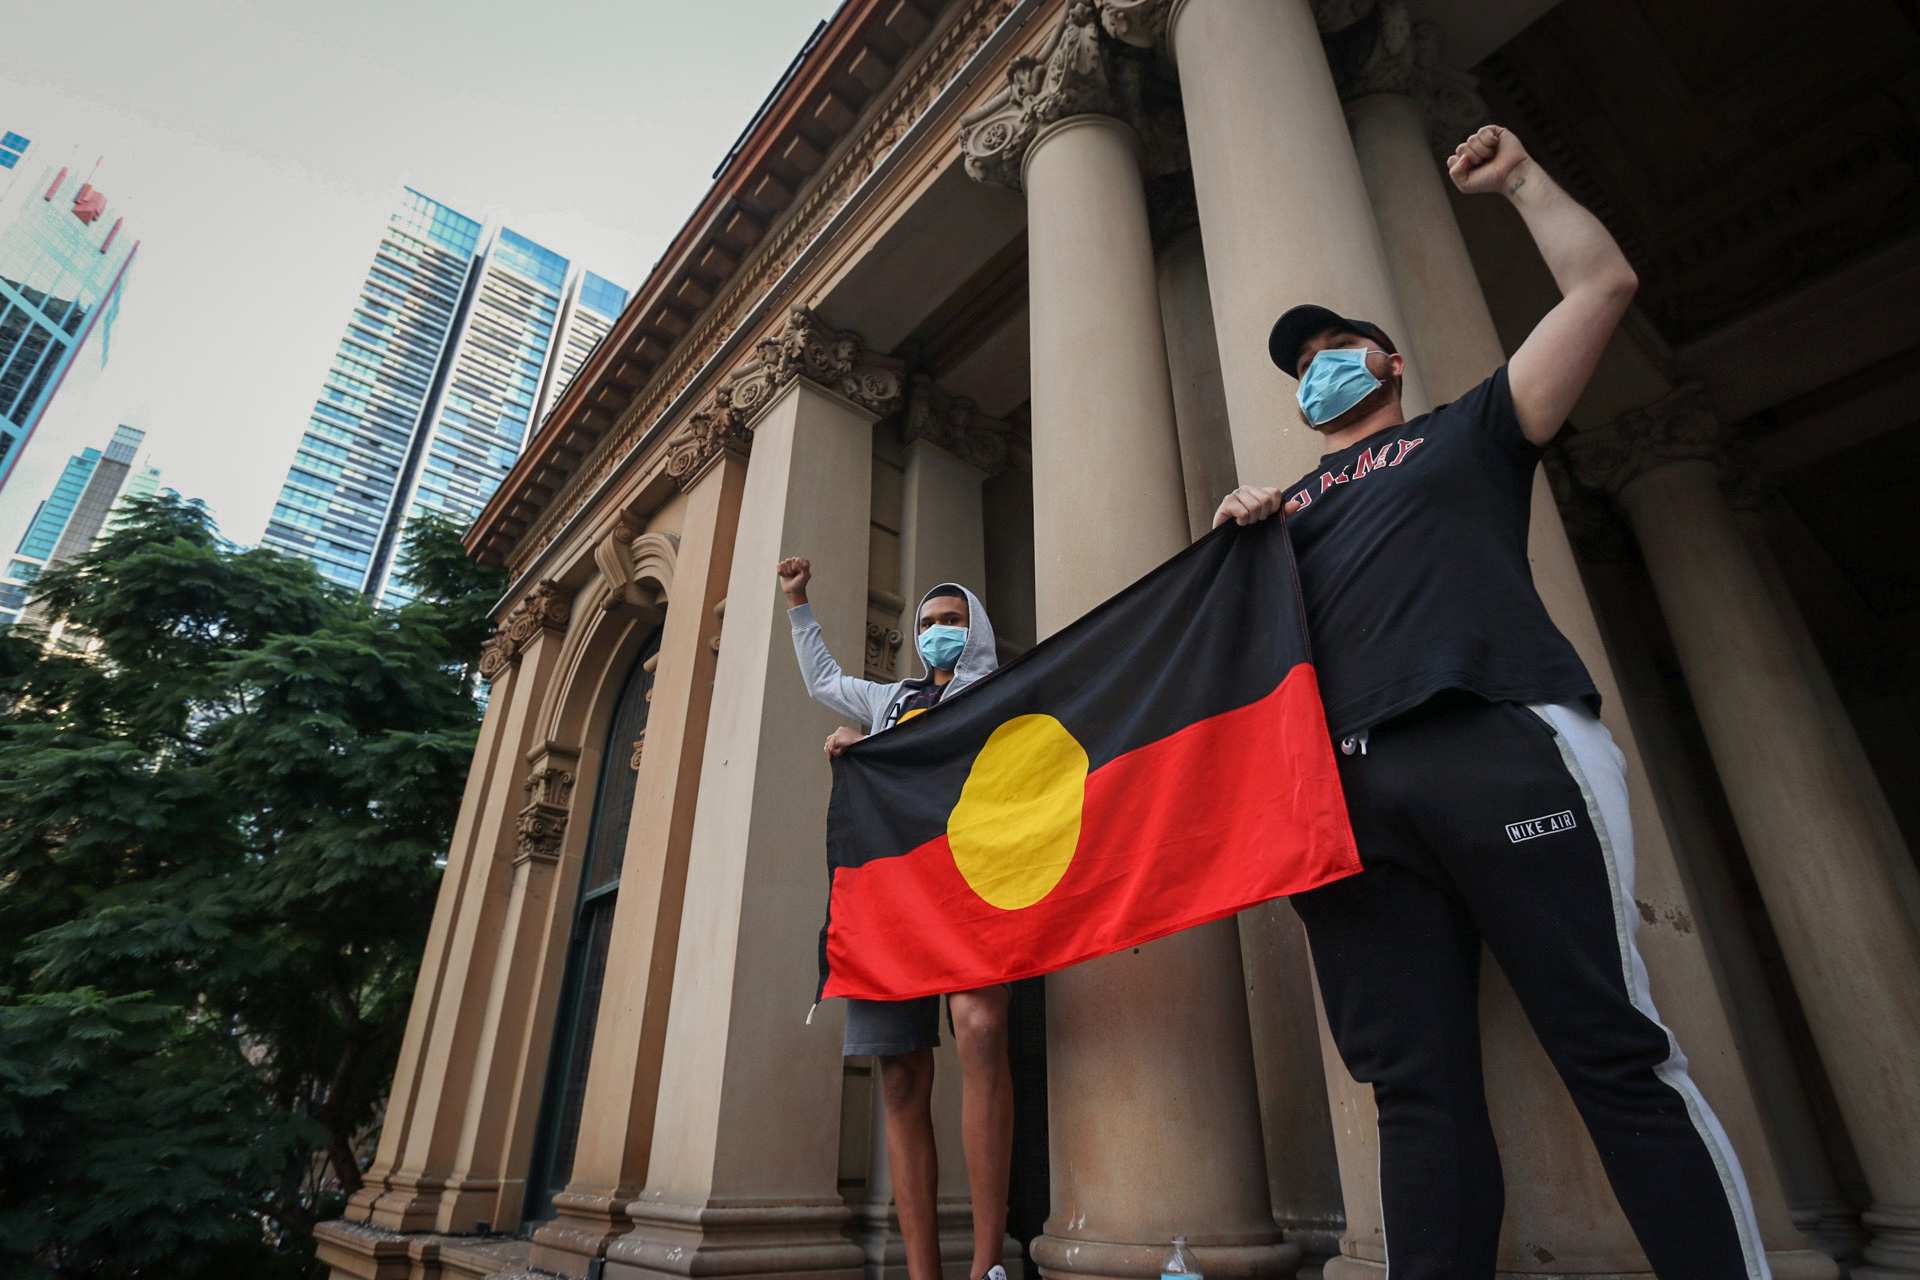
{"x": 586, "y": 969}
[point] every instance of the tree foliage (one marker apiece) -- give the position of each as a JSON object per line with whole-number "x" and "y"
{"x": 220, "y": 830}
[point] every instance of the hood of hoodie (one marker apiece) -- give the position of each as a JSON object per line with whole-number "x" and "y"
{"x": 978, "y": 658}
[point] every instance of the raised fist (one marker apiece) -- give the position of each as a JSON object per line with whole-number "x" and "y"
{"x": 1486, "y": 160}
{"x": 795, "y": 572}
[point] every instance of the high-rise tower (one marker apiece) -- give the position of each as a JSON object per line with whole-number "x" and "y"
{"x": 64, "y": 255}
{"x": 461, "y": 340}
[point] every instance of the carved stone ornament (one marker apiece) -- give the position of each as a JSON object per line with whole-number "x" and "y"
{"x": 639, "y": 751}
{"x": 906, "y": 107}
{"x": 955, "y": 424}
{"x": 804, "y": 347}
{"x": 545, "y": 608}
{"x": 883, "y": 648}
{"x": 1598, "y": 533}
{"x": 1074, "y": 74}
{"x": 638, "y": 570}
{"x": 1375, "y": 46}
{"x": 1679, "y": 427}
{"x": 1140, "y": 23}
{"x": 542, "y": 824}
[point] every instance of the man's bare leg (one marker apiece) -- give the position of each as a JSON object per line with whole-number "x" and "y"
{"x": 986, "y": 1115}
{"x": 906, "y": 1088}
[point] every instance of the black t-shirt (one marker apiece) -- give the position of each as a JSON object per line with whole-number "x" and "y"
{"x": 1413, "y": 562}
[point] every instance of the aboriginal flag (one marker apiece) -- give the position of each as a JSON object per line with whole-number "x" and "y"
{"x": 1160, "y": 763}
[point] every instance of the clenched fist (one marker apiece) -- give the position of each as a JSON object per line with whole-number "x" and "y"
{"x": 795, "y": 572}
{"x": 1486, "y": 161}
{"x": 840, "y": 739}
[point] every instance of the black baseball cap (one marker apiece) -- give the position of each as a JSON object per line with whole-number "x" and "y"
{"x": 1293, "y": 329}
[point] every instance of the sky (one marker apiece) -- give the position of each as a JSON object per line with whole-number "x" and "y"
{"x": 256, "y": 149}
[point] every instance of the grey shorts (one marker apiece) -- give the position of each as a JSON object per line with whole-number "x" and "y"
{"x": 888, "y": 1027}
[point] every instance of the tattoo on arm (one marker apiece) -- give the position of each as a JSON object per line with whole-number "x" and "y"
{"x": 1519, "y": 181}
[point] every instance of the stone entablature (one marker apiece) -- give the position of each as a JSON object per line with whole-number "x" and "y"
{"x": 943, "y": 56}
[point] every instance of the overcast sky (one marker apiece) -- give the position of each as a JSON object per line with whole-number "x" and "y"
{"x": 256, "y": 149}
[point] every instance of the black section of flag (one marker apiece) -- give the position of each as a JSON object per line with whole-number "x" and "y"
{"x": 1215, "y": 628}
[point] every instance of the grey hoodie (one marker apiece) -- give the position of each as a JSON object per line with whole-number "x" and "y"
{"x": 869, "y": 701}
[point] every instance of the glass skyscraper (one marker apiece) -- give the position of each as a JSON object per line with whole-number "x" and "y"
{"x": 591, "y": 312}
{"x": 63, "y": 261}
{"x": 447, "y": 364}
{"x": 71, "y": 518}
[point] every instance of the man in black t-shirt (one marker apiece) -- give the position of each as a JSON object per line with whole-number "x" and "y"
{"x": 1488, "y": 801}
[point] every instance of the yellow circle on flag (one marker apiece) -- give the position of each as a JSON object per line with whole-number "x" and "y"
{"x": 1017, "y": 825}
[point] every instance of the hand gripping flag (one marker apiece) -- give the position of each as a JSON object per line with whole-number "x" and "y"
{"x": 1160, "y": 763}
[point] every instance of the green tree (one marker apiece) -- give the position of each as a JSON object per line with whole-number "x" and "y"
{"x": 220, "y": 835}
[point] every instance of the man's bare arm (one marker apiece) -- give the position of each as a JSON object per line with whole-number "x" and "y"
{"x": 1552, "y": 367}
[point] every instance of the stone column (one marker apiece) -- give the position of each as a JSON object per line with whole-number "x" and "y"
{"x": 1689, "y": 793}
{"x": 742, "y": 1178}
{"x": 1154, "y": 1127}
{"x": 951, "y": 449}
{"x": 1193, "y": 362}
{"x": 1749, "y": 498}
{"x": 1302, "y": 1177}
{"x": 430, "y": 988}
{"x": 1849, "y": 945}
{"x": 623, "y": 1077}
{"x": 1283, "y": 224}
{"x": 449, "y": 1059}
{"x": 487, "y": 1185}
{"x": 1401, "y": 105}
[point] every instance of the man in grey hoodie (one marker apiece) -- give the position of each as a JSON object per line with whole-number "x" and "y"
{"x": 954, "y": 640}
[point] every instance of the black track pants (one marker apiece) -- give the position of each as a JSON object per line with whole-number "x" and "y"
{"x": 1496, "y": 823}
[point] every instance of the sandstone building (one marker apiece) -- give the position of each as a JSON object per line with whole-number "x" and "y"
{"x": 983, "y": 294}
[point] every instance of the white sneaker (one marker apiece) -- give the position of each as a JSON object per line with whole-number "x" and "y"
{"x": 995, "y": 1272}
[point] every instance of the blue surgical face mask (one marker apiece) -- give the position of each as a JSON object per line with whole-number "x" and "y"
{"x": 941, "y": 646}
{"x": 1337, "y": 380}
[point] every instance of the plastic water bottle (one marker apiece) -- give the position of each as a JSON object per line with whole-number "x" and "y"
{"x": 1179, "y": 1266}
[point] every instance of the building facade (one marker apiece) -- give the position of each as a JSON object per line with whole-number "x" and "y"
{"x": 64, "y": 256}
{"x": 433, "y": 388}
{"x": 71, "y": 518}
{"x": 984, "y": 295}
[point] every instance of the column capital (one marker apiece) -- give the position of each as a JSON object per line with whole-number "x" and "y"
{"x": 547, "y": 607}
{"x": 1595, "y": 530}
{"x": 1074, "y": 74}
{"x": 955, "y": 424}
{"x": 1679, "y": 427}
{"x": 805, "y": 346}
{"x": 1375, "y": 46}
{"x": 1140, "y": 23}
{"x": 549, "y": 790}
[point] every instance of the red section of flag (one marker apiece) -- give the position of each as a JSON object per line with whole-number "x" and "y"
{"x": 1227, "y": 812}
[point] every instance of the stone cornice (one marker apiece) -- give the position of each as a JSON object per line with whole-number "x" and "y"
{"x": 804, "y": 347}
{"x": 547, "y": 607}
{"x": 912, "y": 97}
{"x": 1375, "y": 46}
{"x": 1679, "y": 427}
{"x": 955, "y": 424}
